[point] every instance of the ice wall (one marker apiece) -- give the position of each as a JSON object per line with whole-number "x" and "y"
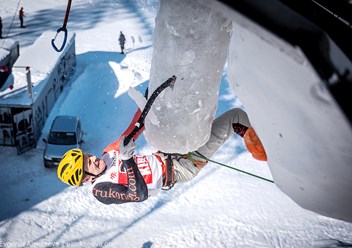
{"x": 190, "y": 41}
{"x": 306, "y": 137}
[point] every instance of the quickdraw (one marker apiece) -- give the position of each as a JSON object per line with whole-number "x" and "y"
{"x": 140, "y": 122}
{"x": 62, "y": 29}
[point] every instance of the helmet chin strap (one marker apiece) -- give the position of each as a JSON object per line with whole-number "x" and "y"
{"x": 94, "y": 175}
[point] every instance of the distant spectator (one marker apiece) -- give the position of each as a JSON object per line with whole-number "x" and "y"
{"x": 0, "y": 28}
{"x": 21, "y": 16}
{"x": 122, "y": 41}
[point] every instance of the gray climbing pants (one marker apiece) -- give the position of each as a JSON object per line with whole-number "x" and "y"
{"x": 221, "y": 131}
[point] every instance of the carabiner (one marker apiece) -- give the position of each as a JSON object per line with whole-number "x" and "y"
{"x": 64, "y": 29}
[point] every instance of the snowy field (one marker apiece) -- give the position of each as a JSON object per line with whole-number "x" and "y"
{"x": 219, "y": 208}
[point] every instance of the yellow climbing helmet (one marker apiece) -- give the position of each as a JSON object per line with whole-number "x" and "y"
{"x": 70, "y": 169}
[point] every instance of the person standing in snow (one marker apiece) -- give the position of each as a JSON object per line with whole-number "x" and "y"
{"x": 21, "y": 16}
{"x": 119, "y": 176}
{"x": 122, "y": 41}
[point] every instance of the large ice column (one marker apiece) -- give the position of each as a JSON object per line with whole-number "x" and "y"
{"x": 190, "y": 41}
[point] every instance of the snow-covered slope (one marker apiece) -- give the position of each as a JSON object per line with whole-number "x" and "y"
{"x": 307, "y": 137}
{"x": 219, "y": 208}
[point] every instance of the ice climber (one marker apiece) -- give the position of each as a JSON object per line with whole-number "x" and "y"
{"x": 119, "y": 176}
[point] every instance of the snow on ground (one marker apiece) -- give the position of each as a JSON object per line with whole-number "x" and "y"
{"x": 191, "y": 41}
{"x": 219, "y": 208}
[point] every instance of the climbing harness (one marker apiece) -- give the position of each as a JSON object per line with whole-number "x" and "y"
{"x": 62, "y": 29}
{"x": 169, "y": 179}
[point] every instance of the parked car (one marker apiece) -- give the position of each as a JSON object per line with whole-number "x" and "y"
{"x": 65, "y": 134}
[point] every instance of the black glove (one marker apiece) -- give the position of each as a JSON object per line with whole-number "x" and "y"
{"x": 126, "y": 152}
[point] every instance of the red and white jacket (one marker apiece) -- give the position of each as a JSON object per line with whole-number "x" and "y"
{"x": 149, "y": 166}
{"x": 133, "y": 180}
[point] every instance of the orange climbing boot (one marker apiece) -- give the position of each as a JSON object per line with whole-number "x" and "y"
{"x": 254, "y": 145}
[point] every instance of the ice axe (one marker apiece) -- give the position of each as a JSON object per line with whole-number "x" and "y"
{"x": 140, "y": 122}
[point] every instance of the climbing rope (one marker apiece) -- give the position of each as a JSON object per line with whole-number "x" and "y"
{"x": 13, "y": 19}
{"x": 199, "y": 155}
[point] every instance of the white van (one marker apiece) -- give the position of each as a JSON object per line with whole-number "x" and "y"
{"x": 65, "y": 134}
